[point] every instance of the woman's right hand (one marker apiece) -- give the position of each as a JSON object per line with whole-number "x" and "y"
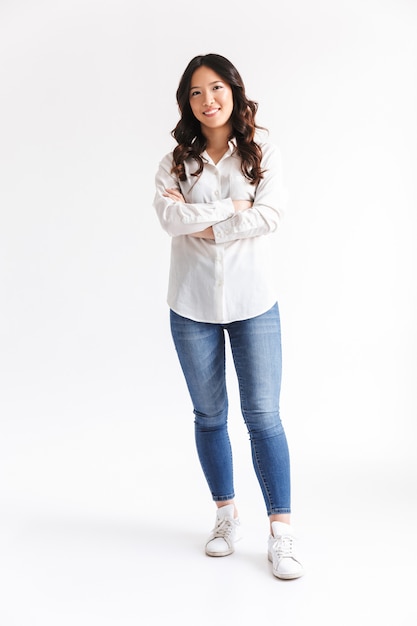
{"x": 241, "y": 205}
{"x": 174, "y": 194}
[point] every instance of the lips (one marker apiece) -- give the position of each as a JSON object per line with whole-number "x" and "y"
{"x": 210, "y": 112}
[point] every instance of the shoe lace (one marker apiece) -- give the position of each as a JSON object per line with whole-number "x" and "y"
{"x": 283, "y": 546}
{"x": 223, "y": 528}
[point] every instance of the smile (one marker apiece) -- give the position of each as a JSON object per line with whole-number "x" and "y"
{"x": 211, "y": 112}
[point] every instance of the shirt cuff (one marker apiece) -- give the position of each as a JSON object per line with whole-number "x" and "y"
{"x": 223, "y": 231}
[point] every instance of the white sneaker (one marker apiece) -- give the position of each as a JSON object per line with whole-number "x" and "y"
{"x": 225, "y": 533}
{"x": 281, "y": 552}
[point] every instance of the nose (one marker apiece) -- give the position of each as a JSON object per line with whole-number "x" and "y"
{"x": 209, "y": 98}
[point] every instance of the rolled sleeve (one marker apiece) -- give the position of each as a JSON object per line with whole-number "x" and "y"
{"x": 184, "y": 218}
{"x": 269, "y": 204}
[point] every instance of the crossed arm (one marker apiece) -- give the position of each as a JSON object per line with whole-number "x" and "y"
{"x": 207, "y": 233}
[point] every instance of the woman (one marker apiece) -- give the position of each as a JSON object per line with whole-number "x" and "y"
{"x": 219, "y": 196}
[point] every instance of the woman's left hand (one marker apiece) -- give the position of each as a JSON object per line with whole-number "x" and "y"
{"x": 207, "y": 233}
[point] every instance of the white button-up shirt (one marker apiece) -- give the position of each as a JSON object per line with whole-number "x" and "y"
{"x": 231, "y": 277}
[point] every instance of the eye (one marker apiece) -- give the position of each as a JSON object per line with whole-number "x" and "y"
{"x": 218, "y": 87}
{"x": 194, "y": 93}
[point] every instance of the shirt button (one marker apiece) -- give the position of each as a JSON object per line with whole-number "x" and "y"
{"x": 216, "y": 193}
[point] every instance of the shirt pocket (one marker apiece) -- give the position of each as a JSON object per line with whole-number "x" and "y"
{"x": 201, "y": 190}
{"x": 240, "y": 188}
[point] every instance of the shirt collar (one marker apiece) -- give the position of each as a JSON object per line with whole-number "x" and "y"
{"x": 231, "y": 149}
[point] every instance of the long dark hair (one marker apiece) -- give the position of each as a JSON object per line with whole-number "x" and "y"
{"x": 191, "y": 141}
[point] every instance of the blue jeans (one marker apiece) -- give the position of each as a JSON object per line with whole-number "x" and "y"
{"x": 256, "y": 348}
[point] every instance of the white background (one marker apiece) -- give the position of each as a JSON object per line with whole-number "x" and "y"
{"x": 103, "y": 509}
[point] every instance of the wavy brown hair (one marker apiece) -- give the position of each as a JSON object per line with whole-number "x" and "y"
{"x": 191, "y": 141}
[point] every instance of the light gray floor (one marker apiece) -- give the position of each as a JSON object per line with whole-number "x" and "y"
{"x": 104, "y": 512}
{"x": 144, "y": 564}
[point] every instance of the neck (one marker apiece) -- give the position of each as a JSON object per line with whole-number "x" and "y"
{"x": 217, "y": 138}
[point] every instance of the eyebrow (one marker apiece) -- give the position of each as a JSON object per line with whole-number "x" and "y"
{"x": 213, "y": 82}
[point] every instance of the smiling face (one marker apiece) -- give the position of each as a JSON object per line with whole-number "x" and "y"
{"x": 211, "y": 99}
